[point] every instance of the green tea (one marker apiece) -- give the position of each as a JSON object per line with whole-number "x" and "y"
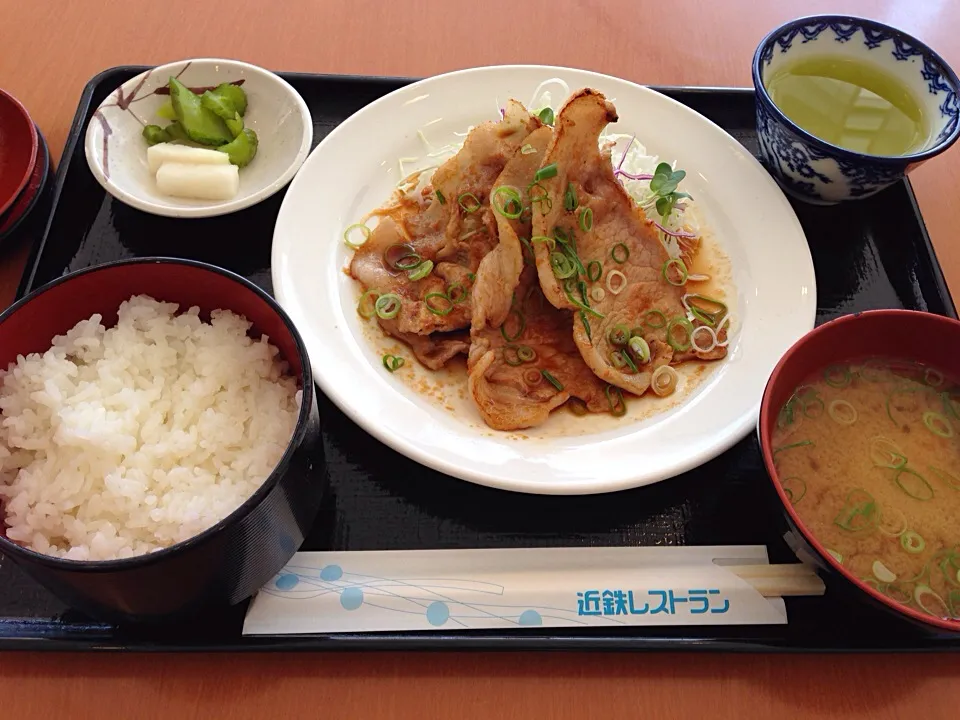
{"x": 850, "y": 103}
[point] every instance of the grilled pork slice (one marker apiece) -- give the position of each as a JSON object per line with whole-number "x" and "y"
{"x": 523, "y": 362}
{"x": 448, "y": 224}
{"x": 603, "y": 259}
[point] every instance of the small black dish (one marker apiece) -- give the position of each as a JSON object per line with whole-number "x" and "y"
{"x": 231, "y": 560}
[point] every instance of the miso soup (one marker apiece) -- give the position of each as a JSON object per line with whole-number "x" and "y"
{"x": 869, "y": 454}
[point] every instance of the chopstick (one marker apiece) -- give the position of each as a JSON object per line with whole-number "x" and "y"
{"x": 791, "y": 580}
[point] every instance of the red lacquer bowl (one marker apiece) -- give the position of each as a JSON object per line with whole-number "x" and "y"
{"x": 905, "y": 334}
{"x": 18, "y": 148}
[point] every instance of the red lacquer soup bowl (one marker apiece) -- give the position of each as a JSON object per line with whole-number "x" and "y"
{"x": 18, "y": 149}
{"x": 902, "y": 334}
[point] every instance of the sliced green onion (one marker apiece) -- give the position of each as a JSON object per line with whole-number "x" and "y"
{"x": 456, "y": 293}
{"x": 949, "y": 478}
{"x": 857, "y": 516}
{"x": 569, "y": 286}
{"x": 441, "y": 198}
{"x": 392, "y": 362}
{"x": 528, "y": 149}
{"x": 920, "y": 595}
{"x": 628, "y": 361}
{"x": 421, "y": 270}
{"x": 469, "y": 202}
{"x": 526, "y": 353}
{"x": 938, "y": 424}
{"x": 809, "y": 398}
{"x": 900, "y": 526}
{"x": 620, "y": 253}
{"x": 681, "y": 268}
{"x": 562, "y": 265}
{"x": 923, "y": 572}
{"x": 529, "y": 257}
{"x": 953, "y": 600}
{"x": 785, "y": 416}
{"x": 616, "y": 359}
{"x": 387, "y": 306}
{"x": 796, "y": 489}
{"x": 655, "y": 315}
{"x": 791, "y": 446}
{"x": 546, "y": 116}
{"x": 521, "y": 324}
{"x": 586, "y": 322}
{"x": 619, "y": 335}
{"x": 570, "y": 201}
{"x": 882, "y": 573}
{"x": 896, "y": 593}
{"x": 933, "y": 378}
{"x": 546, "y": 172}
{"x": 471, "y": 278}
{"x": 641, "y": 349}
{"x": 664, "y": 380}
{"x": 443, "y": 308}
{"x": 560, "y": 234}
{"x": 912, "y": 542}
{"x": 594, "y": 270}
{"x": 366, "y": 304}
{"x": 837, "y": 376}
{"x": 552, "y": 380}
{"x": 918, "y": 488}
{"x": 885, "y": 453}
{"x": 598, "y": 294}
{"x": 616, "y": 275}
{"x": 843, "y": 412}
{"x": 706, "y": 315}
{"x": 586, "y": 219}
{"x": 507, "y": 201}
{"x": 364, "y": 230}
{"x": 577, "y": 406}
{"x": 542, "y": 197}
{"x": 511, "y": 355}
{"x": 408, "y": 261}
{"x": 687, "y": 326}
{"x": 618, "y": 406}
{"x": 836, "y": 556}
{"x": 549, "y": 242}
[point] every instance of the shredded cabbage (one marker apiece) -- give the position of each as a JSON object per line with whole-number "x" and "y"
{"x": 636, "y": 162}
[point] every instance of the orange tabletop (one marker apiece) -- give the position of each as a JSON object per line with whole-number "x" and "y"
{"x": 50, "y": 48}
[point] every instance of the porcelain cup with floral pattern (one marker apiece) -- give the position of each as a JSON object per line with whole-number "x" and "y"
{"x": 816, "y": 171}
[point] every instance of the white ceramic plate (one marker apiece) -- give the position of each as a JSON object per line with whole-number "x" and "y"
{"x": 117, "y": 153}
{"x": 354, "y": 170}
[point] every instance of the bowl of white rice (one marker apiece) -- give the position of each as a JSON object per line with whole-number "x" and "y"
{"x": 158, "y": 424}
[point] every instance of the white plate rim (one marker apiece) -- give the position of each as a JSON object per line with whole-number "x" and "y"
{"x": 733, "y": 433}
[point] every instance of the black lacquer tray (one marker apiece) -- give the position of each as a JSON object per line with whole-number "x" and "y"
{"x": 871, "y": 254}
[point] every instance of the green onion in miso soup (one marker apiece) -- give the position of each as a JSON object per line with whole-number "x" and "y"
{"x": 868, "y": 453}
{"x": 850, "y": 103}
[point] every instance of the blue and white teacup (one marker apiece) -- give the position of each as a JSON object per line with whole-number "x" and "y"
{"x": 817, "y": 171}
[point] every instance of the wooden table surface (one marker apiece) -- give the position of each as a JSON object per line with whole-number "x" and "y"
{"x": 50, "y": 48}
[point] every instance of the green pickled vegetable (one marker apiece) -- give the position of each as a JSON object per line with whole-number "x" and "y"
{"x": 176, "y": 132}
{"x": 219, "y": 105}
{"x": 155, "y": 134}
{"x": 235, "y": 124}
{"x": 166, "y": 111}
{"x": 233, "y": 93}
{"x": 201, "y": 125}
{"x": 242, "y": 149}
